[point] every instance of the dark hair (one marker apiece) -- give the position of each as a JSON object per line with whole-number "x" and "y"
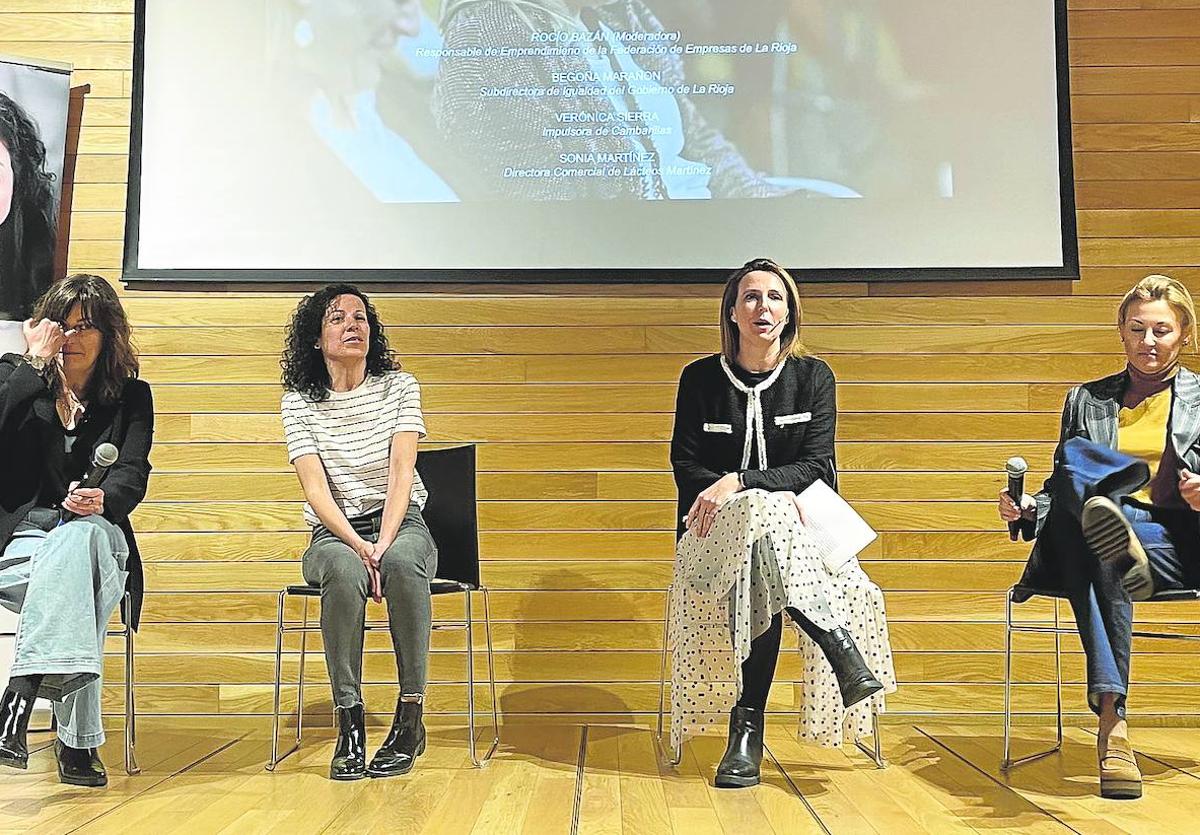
{"x": 789, "y": 338}
{"x": 98, "y": 303}
{"x": 303, "y": 363}
{"x": 27, "y": 235}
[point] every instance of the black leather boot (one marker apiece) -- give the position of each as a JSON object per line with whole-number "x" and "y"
{"x": 350, "y": 753}
{"x": 743, "y": 755}
{"x": 14, "y": 726}
{"x": 79, "y": 766}
{"x": 855, "y": 679}
{"x": 404, "y": 743}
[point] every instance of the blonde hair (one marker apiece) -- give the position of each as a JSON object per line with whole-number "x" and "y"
{"x": 1156, "y": 287}
{"x": 789, "y": 338}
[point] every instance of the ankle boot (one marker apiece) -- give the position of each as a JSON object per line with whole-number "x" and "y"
{"x": 854, "y": 677}
{"x": 350, "y": 753}
{"x": 14, "y": 726}
{"x": 404, "y": 743}
{"x": 743, "y": 755}
{"x": 79, "y": 766}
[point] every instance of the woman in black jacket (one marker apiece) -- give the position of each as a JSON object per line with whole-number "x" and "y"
{"x": 67, "y": 553}
{"x": 27, "y": 213}
{"x": 754, "y": 426}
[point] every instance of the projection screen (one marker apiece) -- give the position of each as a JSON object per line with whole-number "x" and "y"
{"x": 581, "y": 140}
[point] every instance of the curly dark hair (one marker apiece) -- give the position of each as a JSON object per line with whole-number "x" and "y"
{"x": 27, "y": 234}
{"x": 303, "y": 363}
{"x": 99, "y": 304}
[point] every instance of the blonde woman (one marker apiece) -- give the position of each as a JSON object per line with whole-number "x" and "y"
{"x": 754, "y": 426}
{"x": 1117, "y": 519}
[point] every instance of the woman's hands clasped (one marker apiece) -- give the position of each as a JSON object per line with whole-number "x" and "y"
{"x": 366, "y": 552}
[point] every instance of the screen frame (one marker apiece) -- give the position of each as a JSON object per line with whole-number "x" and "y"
{"x": 141, "y": 278}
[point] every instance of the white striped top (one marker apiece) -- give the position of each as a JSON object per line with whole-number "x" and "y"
{"x": 352, "y": 433}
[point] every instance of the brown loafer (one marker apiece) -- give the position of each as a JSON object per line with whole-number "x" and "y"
{"x": 1111, "y": 538}
{"x": 1120, "y": 778}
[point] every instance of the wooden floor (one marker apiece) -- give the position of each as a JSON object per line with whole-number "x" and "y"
{"x": 607, "y": 779}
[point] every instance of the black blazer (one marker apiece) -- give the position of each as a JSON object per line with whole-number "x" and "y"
{"x": 799, "y": 420}
{"x": 30, "y": 433}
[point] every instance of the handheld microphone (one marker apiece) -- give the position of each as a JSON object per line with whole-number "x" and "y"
{"x": 1016, "y": 469}
{"x": 103, "y": 457}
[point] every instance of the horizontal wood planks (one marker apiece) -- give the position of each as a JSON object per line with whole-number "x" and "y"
{"x": 569, "y": 393}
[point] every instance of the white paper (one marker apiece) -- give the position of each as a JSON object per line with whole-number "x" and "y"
{"x": 839, "y": 532}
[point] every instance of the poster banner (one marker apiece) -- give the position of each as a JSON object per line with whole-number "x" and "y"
{"x": 33, "y": 130}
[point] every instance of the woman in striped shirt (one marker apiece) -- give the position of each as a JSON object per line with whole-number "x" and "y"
{"x": 352, "y": 420}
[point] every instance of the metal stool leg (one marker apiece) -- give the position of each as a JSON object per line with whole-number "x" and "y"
{"x": 876, "y": 751}
{"x": 274, "y": 761}
{"x": 131, "y": 764}
{"x": 470, "y": 680}
{"x": 676, "y": 754}
{"x": 300, "y": 677}
{"x": 277, "y": 757}
{"x": 1008, "y": 762}
{"x": 487, "y": 631}
{"x": 1058, "y": 677}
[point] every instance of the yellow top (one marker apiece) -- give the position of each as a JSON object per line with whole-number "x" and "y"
{"x": 1142, "y": 433}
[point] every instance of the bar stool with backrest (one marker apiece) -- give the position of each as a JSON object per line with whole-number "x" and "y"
{"x": 450, "y": 513}
{"x": 126, "y": 632}
{"x": 1019, "y": 594}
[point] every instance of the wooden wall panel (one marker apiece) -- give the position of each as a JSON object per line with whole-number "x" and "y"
{"x": 940, "y": 383}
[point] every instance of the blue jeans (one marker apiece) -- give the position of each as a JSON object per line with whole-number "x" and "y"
{"x": 1103, "y": 610}
{"x": 66, "y": 581}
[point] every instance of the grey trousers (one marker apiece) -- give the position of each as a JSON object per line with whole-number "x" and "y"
{"x": 405, "y": 571}
{"x": 66, "y": 581}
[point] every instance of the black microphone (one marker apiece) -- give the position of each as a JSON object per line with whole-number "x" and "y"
{"x": 1016, "y": 469}
{"x": 103, "y": 457}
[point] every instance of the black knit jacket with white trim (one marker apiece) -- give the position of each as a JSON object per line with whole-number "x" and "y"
{"x": 712, "y": 437}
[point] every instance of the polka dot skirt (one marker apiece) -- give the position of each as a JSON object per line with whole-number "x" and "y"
{"x": 755, "y": 561}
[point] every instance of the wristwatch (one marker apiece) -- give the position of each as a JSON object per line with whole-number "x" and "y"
{"x": 39, "y": 363}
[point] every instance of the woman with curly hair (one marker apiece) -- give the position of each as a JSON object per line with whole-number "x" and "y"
{"x": 67, "y": 552}
{"x": 27, "y": 214}
{"x": 352, "y": 420}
